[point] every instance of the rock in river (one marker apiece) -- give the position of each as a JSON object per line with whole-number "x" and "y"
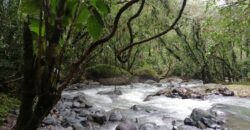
{"x": 203, "y": 119}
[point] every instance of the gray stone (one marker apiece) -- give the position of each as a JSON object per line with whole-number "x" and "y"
{"x": 84, "y": 113}
{"x": 203, "y": 119}
{"x": 115, "y": 116}
{"x": 50, "y": 120}
{"x": 189, "y": 121}
{"x": 99, "y": 117}
{"x": 76, "y": 104}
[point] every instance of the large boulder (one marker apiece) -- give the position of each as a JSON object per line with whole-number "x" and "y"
{"x": 146, "y": 73}
{"x": 108, "y": 74}
{"x": 203, "y": 119}
{"x": 179, "y": 92}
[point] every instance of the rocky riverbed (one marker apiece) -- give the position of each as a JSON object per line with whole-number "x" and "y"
{"x": 168, "y": 105}
{"x": 165, "y": 105}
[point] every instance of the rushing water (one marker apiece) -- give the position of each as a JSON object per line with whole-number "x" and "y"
{"x": 162, "y": 110}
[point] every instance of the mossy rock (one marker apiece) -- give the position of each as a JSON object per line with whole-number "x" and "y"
{"x": 146, "y": 73}
{"x": 108, "y": 74}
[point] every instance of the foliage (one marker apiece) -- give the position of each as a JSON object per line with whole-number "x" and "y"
{"x": 105, "y": 71}
{"x": 10, "y": 39}
{"x": 245, "y": 68}
{"x": 7, "y": 103}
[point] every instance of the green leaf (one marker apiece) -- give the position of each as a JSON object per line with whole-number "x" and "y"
{"x": 83, "y": 15}
{"x": 101, "y": 6}
{"x": 34, "y": 27}
{"x": 31, "y": 7}
{"x": 94, "y": 27}
{"x": 54, "y": 5}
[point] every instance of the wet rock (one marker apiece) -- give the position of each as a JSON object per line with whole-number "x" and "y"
{"x": 189, "y": 121}
{"x": 148, "y": 126}
{"x": 60, "y": 106}
{"x": 88, "y": 104}
{"x": 69, "y": 121}
{"x": 115, "y": 115}
{"x": 203, "y": 119}
{"x": 76, "y": 104}
{"x": 67, "y": 104}
{"x": 84, "y": 113}
{"x": 80, "y": 101}
{"x": 184, "y": 93}
{"x": 226, "y": 92}
{"x": 50, "y": 120}
{"x": 99, "y": 116}
{"x": 126, "y": 125}
{"x": 179, "y": 92}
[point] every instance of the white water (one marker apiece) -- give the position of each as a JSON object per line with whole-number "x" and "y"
{"x": 167, "y": 108}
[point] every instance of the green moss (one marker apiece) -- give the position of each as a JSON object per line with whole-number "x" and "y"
{"x": 147, "y": 73}
{"x": 105, "y": 71}
{"x": 6, "y": 104}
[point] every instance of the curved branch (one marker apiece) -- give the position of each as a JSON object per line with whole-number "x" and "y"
{"x": 160, "y": 34}
{"x": 76, "y": 65}
{"x": 132, "y": 18}
{"x": 131, "y": 31}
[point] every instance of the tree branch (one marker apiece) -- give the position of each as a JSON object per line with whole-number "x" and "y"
{"x": 75, "y": 66}
{"x": 131, "y": 31}
{"x": 160, "y": 34}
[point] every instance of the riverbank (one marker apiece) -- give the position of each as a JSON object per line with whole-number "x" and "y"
{"x": 240, "y": 90}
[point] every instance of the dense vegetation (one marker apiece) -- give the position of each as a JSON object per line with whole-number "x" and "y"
{"x": 46, "y": 44}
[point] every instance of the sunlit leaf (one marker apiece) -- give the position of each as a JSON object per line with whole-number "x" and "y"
{"x": 94, "y": 27}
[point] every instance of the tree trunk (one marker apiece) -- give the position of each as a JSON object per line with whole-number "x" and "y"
{"x": 44, "y": 105}
{"x": 28, "y": 88}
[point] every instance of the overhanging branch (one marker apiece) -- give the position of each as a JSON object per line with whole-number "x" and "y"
{"x": 160, "y": 34}
{"x": 76, "y": 65}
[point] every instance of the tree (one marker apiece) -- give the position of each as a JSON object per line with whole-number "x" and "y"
{"x": 50, "y": 27}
